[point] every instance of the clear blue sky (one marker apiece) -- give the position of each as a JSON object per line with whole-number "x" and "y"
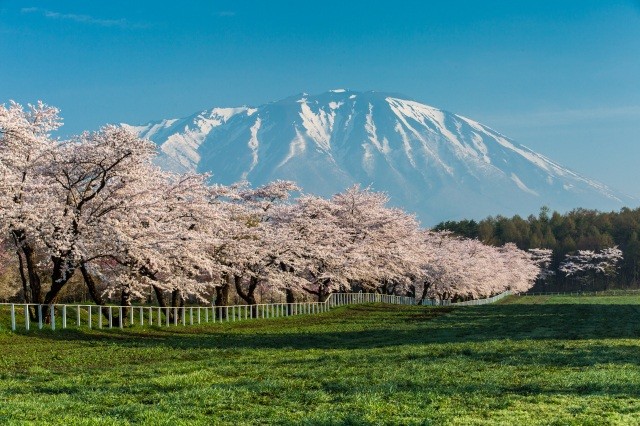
{"x": 562, "y": 77}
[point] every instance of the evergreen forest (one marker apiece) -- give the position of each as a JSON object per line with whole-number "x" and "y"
{"x": 579, "y": 229}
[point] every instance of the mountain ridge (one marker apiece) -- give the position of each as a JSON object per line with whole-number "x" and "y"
{"x": 435, "y": 163}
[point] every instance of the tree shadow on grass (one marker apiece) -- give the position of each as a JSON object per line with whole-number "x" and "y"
{"x": 379, "y": 326}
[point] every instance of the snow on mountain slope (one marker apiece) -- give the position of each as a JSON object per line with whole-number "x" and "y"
{"x": 434, "y": 163}
{"x": 181, "y": 138}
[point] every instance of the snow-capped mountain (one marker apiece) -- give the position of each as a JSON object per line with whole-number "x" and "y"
{"x": 437, "y": 164}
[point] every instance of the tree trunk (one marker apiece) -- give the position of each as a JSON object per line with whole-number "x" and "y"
{"x": 249, "y": 296}
{"x": 23, "y": 246}
{"x": 162, "y": 302}
{"x": 93, "y": 291}
{"x": 177, "y": 302}
{"x": 23, "y": 277}
{"x": 321, "y": 293}
{"x": 413, "y": 291}
{"x": 125, "y": 300}
{"x": 393, "y": 287}
{"x": 290, "y": 297}
{"x": 324, "y": 290}
{"x": 26, "y": 290}
{"x": 34, "y": 278}
{"x": 32, "y": 291}
{"x": 290, "y": 300}
{"x": 59, "y": 277}
{"x": 425, "y": 289}
{"x": 222, "y": 296}
{"x": 159, "y": 296}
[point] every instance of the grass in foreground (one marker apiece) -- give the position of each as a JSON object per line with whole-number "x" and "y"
{"x": 530, "y": 360}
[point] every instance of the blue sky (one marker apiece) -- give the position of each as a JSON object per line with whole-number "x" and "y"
{"x": 562, "y": 77}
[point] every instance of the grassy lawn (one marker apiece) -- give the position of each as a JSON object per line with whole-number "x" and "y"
{"x": 530, "y": 360}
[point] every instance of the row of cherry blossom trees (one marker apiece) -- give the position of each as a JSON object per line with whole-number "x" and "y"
{"x": 571, "y": 238}
{"x": 96, "y": 206}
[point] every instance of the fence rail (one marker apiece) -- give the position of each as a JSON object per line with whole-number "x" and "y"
{"x": 476, "y": 302}
{"x": 26, "y": 316}
{"x": 584, "y": 293}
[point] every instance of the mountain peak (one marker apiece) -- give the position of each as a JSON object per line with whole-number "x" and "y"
{"x": 434, "y": 163}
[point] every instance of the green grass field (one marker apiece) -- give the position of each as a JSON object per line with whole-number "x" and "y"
{"x": 531, "y": 360}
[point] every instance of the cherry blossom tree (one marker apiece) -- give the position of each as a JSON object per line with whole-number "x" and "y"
{"x": 458, "y": 268}
{"x": 382, "y": 240}
{"x": 25, "y": 145}
{"x": 542, "y": 258}
{"x": 519, "y": 268}
{"x": 314, "y": 254}
{"x": 157, "y": 240}
{"x": 257, "y": 243}
{"x": 587, "y": 265}
{"x": 350, "y": 241}
{"x": 88, "y": 173}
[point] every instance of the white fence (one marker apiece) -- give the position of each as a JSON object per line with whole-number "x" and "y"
{"x": 93, "y": 316}
{"x": 486, "y": 301}
{"x": 617, "y": 292}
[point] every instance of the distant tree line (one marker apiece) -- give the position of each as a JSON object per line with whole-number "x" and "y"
{"x": 565, "y": 234}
